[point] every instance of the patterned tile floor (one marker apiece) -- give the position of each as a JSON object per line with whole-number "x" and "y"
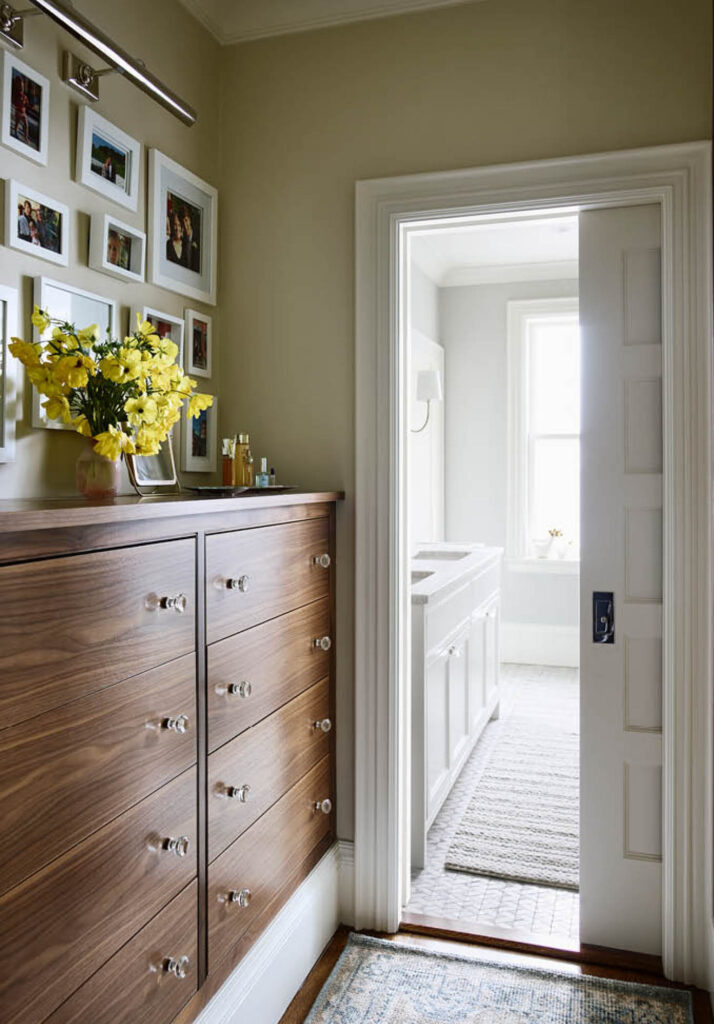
{"x": 544, "y": 691}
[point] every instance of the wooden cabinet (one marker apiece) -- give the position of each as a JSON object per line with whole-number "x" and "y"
{"x": 164, "y": 738}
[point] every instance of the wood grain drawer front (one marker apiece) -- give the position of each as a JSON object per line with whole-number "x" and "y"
{"x": 253, "y": 674}
{"x": 254, "y": 575}
{"x": 72, "y": 625}
{"x": 59, "y": 927}
{"x": 244, "y": 880}
{"x": 248, "y": 775}
{"x": 148, "y": 980}
{"x": 66, "y": 773}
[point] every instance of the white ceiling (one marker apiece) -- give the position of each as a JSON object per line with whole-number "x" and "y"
{"x": 234, "y": 21}
{"x": 538, "y": 248}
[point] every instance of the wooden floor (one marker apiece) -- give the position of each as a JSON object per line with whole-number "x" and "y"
{"x": 298, "y": 1010}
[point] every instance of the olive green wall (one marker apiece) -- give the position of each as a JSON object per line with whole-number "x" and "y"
{"x": 182, "y": 54}
{"x": 305, "y": 116}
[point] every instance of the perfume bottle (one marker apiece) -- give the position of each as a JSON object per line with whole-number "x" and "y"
{"x": 273, "y": 478}
{"x": 228, "y": 449}
{"x": 262, "y": 479}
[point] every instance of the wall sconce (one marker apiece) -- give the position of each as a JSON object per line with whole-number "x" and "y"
{"x": 429, "y": 389}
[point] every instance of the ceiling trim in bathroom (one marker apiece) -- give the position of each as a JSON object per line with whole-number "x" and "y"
{"x": 557, "y": 270}
{"x": 237, "y": 21}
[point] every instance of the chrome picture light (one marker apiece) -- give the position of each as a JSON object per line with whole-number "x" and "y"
{"x": 82, "y": 76}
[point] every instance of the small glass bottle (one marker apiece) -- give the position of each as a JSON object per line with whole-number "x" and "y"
{"x": 227, "y": 447}
{"x": 273, "y": 479}
{"x": 263, "y": 478}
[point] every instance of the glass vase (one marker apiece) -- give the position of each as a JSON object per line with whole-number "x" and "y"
{"x": 97, "y": 476}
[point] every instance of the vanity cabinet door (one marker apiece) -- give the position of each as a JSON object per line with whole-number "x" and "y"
{"x": 458, "y": 703}
{"x": 437, "y": 733}
{"x": 492, "y": 657}
{"x": 476, "y": 671}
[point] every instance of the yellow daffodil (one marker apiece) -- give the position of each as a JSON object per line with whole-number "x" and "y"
{"x": 89, "y": 335}
{"x": 45, "y": 381}
{"x": 141, "y": 410}
{"x": 25, "y": 351}
{"x": 81, "y": 425}
{"x": 147, "y": 441}
{"x": 197, "y": 403}
{"x": 74, "y": 370}
{"x": 112, "y": 442}
{"x": 40, "y": 319}
{"x": 124, "y": 367}
{"x": 57, "y": 408}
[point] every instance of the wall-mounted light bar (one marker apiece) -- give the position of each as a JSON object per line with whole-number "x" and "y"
{"x": 64, "y": 14}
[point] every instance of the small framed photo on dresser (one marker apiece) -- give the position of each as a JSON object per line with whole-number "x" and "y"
{"x": 199, "y": 343}
{"x": 24, "y": 124}
{"x": 116, "y": 248}
{"x": 36, "y": 224}
{"x": 108, "y": 160}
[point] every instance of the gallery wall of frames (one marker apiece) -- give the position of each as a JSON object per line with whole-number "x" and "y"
{"x": 100, "y": 225}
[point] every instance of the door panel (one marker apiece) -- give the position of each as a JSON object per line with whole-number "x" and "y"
{"x": 621, "y": 502}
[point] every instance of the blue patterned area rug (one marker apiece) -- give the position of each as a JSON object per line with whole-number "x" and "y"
{"x": 381, "y": 982}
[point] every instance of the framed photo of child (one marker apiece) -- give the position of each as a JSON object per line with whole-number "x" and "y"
{"x": 199, "y": 343}
{"x": 24, "y": 122}
{"x": 198, "y": 441}
{"x": 108, "y": 160}
{"x": 116, "y": 248}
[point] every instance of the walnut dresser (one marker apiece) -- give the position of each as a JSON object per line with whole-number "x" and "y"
{"x": 166, "y": 744}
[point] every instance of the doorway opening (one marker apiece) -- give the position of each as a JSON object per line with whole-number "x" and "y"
{"x": 493, "y": 455}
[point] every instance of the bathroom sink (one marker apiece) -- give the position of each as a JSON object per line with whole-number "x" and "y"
{"x": 417, "y": 577}
{"x": 442, "y": 556}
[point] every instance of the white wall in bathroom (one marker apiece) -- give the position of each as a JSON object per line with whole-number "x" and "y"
{"x": 472, "y": 324}
{"x": 426, "y": 449}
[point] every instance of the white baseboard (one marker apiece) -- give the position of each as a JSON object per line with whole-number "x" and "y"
{"x": 524, "y": 643}
{"x": 347, "y": 881}
{"x": 261, "y": 987}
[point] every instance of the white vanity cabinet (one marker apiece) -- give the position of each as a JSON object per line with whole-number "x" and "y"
{"x": 455, "y": 608}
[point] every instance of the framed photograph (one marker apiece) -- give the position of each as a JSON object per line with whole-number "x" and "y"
{"x": 108, "y": 160}
{"x": 36, "y": 224}
{"x": 183, "y": 225}
{"x": 165, "y": 325}
{"x": 25, "y": 108}
{"x": 77, "y": 306}
{"x": 198, "y": 443}
{"x": 199, "y": 343}
{"x": 9, "y": 392}
{"x": 116, "y": 248}
{"x": 153, "y": 470}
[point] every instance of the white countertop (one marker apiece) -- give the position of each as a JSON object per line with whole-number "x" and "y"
{"x": 446, "y": 564}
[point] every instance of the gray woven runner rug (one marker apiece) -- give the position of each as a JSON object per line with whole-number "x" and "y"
{"x": 522, "y": 822}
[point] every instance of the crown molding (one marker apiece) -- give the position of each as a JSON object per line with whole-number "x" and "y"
{"x": 229, "y": 30}
{"x": 504, "y": 273}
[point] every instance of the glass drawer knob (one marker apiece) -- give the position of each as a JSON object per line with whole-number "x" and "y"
{"x": 323, "y": 724}
{"x": 178, "y": 724}
{"x": 238, "y": 793}
{"x": 322, "y": 642}
{"x": 243, "y": 689}
{"x": 324, "y": 805}
{"x": 178, "y": 966}
{"x": 323, "y": 560}
{"x": 240, "y": 896}
{"x": 179, "y": 603}
{"x": 241, "y": 583}
{"x": 179, "y": 846}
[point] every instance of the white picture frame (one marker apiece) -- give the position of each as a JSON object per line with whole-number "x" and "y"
{"x": 191, "y": 460}
{"x": 16, "y": 74}
{"x": 56, "y": 232}
{"x": 116, "y": 248}
{"x": 98, "y": 140}
{"x": 166, "y": 325}
{"x": 199, "y": 343}
{"x": 78, "y": 306}
{"x": 175, "y": 192}
{"x": 9, "y": 390}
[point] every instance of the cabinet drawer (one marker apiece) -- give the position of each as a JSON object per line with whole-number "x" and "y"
{"x": 275, "y": 567}
{"x": 136, "y": 984}
{"x": 278, "y": 660}
{"x": 72, "y": 625}
{"x": 260, "y": 861}
{"x": 58, "y": 927}
{"x": 69, "y": 771}
{"x": 269, "y": 759}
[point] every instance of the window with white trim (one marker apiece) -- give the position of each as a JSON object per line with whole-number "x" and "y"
{"x": 544, "y": 430}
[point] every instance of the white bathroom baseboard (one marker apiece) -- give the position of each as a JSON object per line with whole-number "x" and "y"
{"x": 263, "y": 984}
{"x": 524, "y": 643}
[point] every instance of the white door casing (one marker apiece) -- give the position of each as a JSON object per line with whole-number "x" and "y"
{"x": 677, "y": 178}
{"x": 621, "y": 551}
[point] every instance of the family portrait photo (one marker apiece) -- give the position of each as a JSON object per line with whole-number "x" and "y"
{"x": 38, "y": 224}
{"x": 183, "y": 233}
{"x": 25, "y": 108}
{"x": 108, "y": 161}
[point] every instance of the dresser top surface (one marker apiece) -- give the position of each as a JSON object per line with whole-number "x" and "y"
{"x": 37, "y": 514}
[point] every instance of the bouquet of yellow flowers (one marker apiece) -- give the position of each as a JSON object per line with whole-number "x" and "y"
{"x": 125, "y": 395}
